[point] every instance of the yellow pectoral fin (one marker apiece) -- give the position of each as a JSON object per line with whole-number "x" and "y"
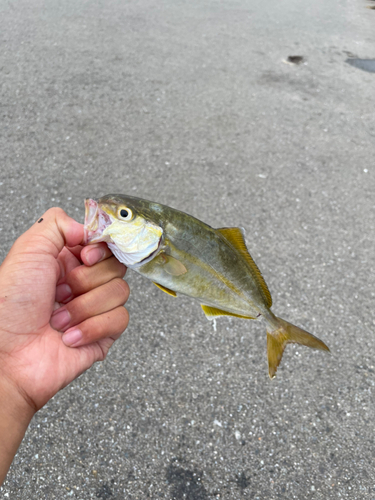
{"x": 165, "y": 289}
{"x": 235, "y": 236}
{"x": 171, "y": 265}
{"x": 213, "y": 312}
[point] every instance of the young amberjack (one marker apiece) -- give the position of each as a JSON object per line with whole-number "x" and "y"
{"x": 183, "y": 255}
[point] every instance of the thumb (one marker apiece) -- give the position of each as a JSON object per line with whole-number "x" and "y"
{"x": 50, "y": 233}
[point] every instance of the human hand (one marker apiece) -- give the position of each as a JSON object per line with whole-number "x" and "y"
{"x": 42, "y": 267}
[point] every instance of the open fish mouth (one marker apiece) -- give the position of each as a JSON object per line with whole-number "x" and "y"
{"x": 96, "y": 221}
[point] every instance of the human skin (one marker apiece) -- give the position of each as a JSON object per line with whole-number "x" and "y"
{"x": 61, "y": 309}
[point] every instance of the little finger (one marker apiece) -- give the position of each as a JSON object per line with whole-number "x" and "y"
{"x": 108, "y": 325}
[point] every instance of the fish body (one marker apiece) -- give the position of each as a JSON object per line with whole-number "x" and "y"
{"x": 183, "y": 255}
{"x": 216, "y": 273}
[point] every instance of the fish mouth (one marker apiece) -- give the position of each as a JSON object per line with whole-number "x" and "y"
{"x": 96, "y": 221}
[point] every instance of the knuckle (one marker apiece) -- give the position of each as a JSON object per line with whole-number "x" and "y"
{"x": 78, "y": 279}
{"x": 114, "y": 267}
{"x": 122, "y": 320}
{"x": 120, "y": 288}
{"x": 55, "y": 212}
{"x": 112, "y": 263}
{"x": 120, "y": 268}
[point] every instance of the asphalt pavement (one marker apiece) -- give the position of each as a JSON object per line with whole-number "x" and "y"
{"x": 203, "y": 106}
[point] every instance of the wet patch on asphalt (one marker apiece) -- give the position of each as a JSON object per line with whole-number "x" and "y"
{"x": 186, "y": 484}
{"x": 363, "y": 64}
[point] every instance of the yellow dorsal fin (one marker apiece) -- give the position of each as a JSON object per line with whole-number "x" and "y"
{"x": 236, "y": 238}
{"x": 165, "y": 289}
{"x": 213, "y": 312}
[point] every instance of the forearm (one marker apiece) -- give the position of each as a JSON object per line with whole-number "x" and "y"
{"x": 15, "y": 416}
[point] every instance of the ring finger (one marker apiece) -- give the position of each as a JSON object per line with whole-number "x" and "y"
{"x": 97, "y": 301}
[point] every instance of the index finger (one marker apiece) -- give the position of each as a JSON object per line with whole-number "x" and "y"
{"x": 91, "y": 254}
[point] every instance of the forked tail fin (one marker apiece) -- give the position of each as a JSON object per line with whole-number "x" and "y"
{"x": 286, "y": 333}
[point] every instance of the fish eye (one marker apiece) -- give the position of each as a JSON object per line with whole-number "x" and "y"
{"x": 124, "y": 213}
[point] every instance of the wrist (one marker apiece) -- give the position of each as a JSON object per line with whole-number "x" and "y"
{"x": 15, "y": 416}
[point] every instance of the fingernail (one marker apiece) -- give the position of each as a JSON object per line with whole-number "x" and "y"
{"x": 95, "y": 255}
{"x": 60, "y": 319}
{"x": 63, "y": 293}
{"x": 72, "y": 337}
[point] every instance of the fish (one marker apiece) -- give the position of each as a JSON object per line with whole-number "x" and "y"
{"x": 182, "y": 255}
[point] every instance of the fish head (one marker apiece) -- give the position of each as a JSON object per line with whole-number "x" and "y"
{"x": 125, "y": 225}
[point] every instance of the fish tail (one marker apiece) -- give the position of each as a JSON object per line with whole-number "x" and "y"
{"x": 279, "y": 334}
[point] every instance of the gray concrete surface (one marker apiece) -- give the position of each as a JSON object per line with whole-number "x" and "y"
{"x": 191, "y": 104}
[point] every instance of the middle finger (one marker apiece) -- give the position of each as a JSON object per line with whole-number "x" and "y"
{"x": 82, "y": 278}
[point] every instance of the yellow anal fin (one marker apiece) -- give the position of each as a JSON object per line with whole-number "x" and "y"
{"x": 236, "y": 238}
{"x": 165, "y": 289}
{"x": 287, "y": 334}
{"x": 171, "y": 265}
{"x": 213, "y": 312}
